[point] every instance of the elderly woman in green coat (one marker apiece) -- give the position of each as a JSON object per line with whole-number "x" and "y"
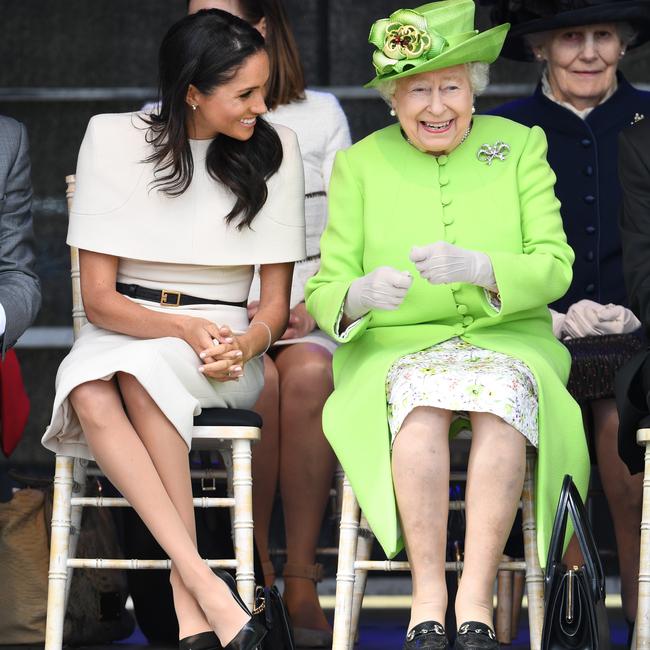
{"x": 443, "y": 248}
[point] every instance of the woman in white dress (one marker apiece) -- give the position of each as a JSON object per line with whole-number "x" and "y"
{"x": 298, "y": 371}
{"x": 171, "y": 214}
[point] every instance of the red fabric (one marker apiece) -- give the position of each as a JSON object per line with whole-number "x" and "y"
{"x": 14, "y": 403}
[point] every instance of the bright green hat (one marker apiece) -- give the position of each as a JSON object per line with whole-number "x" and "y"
{"x": 434, "y": 36}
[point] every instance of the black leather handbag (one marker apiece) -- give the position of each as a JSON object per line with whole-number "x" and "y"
{"x": 574, "y": 615}
{"x": 271, "y": 612}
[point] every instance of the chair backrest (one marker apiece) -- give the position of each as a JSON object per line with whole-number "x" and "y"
{"x": 78, "y": 313}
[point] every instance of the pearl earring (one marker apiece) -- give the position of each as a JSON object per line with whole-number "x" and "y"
{"x": 622, "y": 52}
{"x": 392, "y": 112}
{"x": 473, "y": 110}
{"x": 193, "y": 107}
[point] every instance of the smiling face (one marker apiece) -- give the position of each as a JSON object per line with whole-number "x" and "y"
{"x": 582, "y": 62}
{"x": 435, "y": 108}
{"x": 232, "y": 108}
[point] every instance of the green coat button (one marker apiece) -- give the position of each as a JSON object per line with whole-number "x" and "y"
{"x": 442, "y": 160}
{"x": 445, "y": 199}
{"x": 443, "y": 179}
{"x": 447, "y": 220}
{"x": 455, "y": 286}
{"x": 468, "y": 320}
{"x": 462, "y": 309}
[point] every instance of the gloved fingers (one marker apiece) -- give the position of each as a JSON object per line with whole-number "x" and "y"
{"x": 403, "y": 280}
{"x": 419, "y": 254}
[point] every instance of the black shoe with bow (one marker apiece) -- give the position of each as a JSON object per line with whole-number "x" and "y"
{"x": 476, "y": 636}
{"x": 426, "y": 636}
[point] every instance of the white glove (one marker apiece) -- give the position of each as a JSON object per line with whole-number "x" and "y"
{"x": 443, "y": 263}
{"x": 589, "y": 318}
{"x": 558, "y": 323}
{"x": 384, "y": 288}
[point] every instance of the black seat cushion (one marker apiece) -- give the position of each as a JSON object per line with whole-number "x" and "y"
{"x": 224, "y": 417}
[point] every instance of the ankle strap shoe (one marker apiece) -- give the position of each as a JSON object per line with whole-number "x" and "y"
{"x": 476, "y": 636}
{"x": 429, "y": 635}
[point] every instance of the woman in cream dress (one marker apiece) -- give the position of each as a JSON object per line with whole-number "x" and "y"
{"x": 171, "y": 213}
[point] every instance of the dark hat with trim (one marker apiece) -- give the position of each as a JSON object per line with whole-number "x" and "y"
{"x": 533, "y": 16}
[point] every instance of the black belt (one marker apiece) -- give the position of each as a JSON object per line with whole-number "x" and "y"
{"x": 168, "y": 298}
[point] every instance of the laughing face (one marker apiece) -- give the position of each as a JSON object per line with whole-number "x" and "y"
{"x": 435, "y": 108}
{"x": 582, "y": 62}
{"x": 232, "y": 108}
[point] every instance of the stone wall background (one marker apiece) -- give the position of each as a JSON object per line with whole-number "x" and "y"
{"x": 94, "y": 45}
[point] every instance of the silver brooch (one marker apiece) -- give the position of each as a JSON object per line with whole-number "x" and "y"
{"x": 488, "y": 152}
{"x": 637, "y": 118}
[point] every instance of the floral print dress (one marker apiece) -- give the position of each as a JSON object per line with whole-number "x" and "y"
{"x": 457, "y": 376}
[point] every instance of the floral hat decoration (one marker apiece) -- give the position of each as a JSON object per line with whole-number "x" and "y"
{"x": 434, "y": 36}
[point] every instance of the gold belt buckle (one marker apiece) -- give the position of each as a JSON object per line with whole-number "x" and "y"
{"x": 165, "y": 298}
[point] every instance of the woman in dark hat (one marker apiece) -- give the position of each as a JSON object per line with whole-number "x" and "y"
{"x": 583, "y": 102}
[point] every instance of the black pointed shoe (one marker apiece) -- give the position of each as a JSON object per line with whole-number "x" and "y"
{"x": 426, "y": 636}
{"x": 476, "y": 636}
{"x": 201, "y": 641}
{"x": 248, "y": 638}
{"x": 251, "y": 635}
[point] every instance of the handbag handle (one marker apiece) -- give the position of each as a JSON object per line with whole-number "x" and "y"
{"x": 586, "y": 540}
{"x": 570, "y": 504}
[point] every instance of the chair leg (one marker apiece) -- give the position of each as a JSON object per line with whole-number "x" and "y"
{"x": 534, "y": 576}
{"x": 59, "y": 549}
{"x": 345, "y": 572}
{"x": 503, "y": 625}
{"x": 364, "y": 549}
{"x": 643, "y": 611}
{"x": 242, "y": 485}
{"x": 79, "y": 471}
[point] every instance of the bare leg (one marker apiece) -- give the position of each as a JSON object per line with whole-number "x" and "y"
{"x": 307, "y": 465}
{"x": 624, "y": 494}
{"x": 125, "y": 461}
{"x": 266, "y": 458}
{"x": 495, "y": 478}
{"x": 169, "y": 455}
{"x": 420, "y": 467}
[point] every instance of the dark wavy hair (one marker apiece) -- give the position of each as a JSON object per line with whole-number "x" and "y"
{"x": 206, "y": 50}
{"x": 287, "y": 81}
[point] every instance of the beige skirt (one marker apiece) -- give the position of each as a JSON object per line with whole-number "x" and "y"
{"x": 166, "y": 367}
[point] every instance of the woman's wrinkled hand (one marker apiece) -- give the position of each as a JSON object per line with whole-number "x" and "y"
{"x": 300, "y": 324}
{"x": 224, "y": 359}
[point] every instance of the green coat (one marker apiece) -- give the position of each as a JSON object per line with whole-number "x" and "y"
{"x": 386, "y": 197}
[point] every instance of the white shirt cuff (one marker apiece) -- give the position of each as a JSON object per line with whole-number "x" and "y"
{"x": 3, "y": 320}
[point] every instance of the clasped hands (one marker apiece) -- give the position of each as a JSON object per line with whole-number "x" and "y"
{"x": 220, "y": 350}
{"x": 439, "y": 263}
{"x": 589, "y": 318}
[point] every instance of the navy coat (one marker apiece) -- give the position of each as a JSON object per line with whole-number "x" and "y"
{"x": 583, "y": 154}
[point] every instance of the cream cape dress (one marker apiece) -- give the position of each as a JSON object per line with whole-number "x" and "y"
{"x": 180, "y": 244}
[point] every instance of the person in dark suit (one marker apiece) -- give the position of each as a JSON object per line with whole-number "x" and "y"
{"x": 633, "y": 381}
{"x": 583, "y": 102}
{"x": 20, "y": 294}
